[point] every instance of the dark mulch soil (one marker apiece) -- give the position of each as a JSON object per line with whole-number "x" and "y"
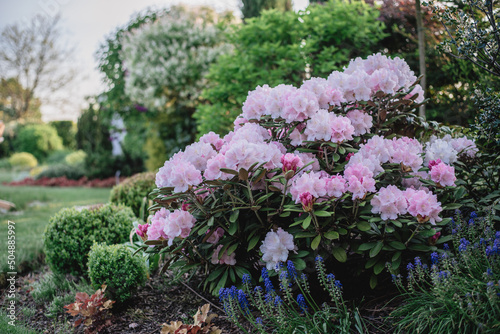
{"x": 154, "y": 304}
{"x": 159, "y": 302}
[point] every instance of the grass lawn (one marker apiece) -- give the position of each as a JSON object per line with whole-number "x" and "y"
{"x": 35, "y": 205}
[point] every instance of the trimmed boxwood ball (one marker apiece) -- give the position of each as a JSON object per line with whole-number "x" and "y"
{"x": 133, "y": 190}
{"x": 71, "y": 233}
{"x": 118, "y": 268}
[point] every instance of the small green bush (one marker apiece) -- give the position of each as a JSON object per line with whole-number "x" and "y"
{"x": 71, "y": 233}
{"x": 133, "y": 192}
{"x": 76, "y": 158}
{"x": 57, "y": 157}
{"x": 118, "y": 268}
{"x": 39, "y": 140}
{"x": 23, "y": 160}
{"x": 71, "y": 172}
{"x": 4, "y": 163}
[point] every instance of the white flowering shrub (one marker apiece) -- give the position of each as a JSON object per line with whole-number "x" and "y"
{"x": 165, "y": 60}
{"x": 320, "y": 169}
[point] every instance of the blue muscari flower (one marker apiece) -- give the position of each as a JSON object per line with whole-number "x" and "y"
{"x": 233, "y": 292}
{"x": 242, "y": 299}
{"x": 258, "y": 321}
{"x": 268, "y": 298}
{"x": 257, "y": 289}
{"x": 489, "y": 251}
{"x": 394, "y": 277}
{"x": 222, "y": 295}
{"x": 330, "y": 277}
{"x": 490, "y": 284}
{"x": 278, "y": 301}
{"x": 303, "y": 277}
{"x": 269, "y": 285}
{"x": 471, "y": 221}
{"x": 463, "y": 244}
{"x": 434, "y": 258}
{"x": 418, "y": 262}
{"x": 473, "y": 214}
{"x": 446, "y": 247}
{"x": 443, "y": 274}
{"x": 410, "y": 266}
{"x": 338, "y": 284}
{"x": 246, "y": 279}
{"x": 279, "y": 266}
{"x": 454, "y": 231}
{"x": 264, "y": 273}
{"x": 302, "y": 303}
{"x": 497, "y": 235}
{"x": 291, "y": 270}
{"x": 482, "y": 241}
{"x": 489, "y": 272}
{"x": 319, "y": 258}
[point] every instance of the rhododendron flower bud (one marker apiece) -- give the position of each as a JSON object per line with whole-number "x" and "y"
{"x": 349, "y": 156}
{"x": 225, "y": 259}
{"x": 433, "y": 163}
{"x": 142, "y": 231}
{"x": 307, "y": 201}
{"x": 434, "y": 238}
{"x": 443, "y": 174}
{"x": 290, "y": 163}
{"x": 275, "y": 247}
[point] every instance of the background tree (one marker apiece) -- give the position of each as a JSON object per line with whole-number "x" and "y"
{"x": 33, "y": 57}
{"x": 288, "y": 47}
{"x": 253, "y": 8}
{"x": 12, "y": 98}
{"x": 449, "y": 81}
{"x": 162, "y": 59}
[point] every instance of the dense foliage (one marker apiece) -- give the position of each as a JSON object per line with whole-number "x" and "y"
{"x": 327, "y": 168}
{"x": 23, "y": 160}
{"x": 459, "y": 290}
{"x": 116, "y": 267}
{"x": 133, "y": 192}
{"x": 67, "y": 131}
{"x": 71, "y": 233}
{"x": 38, "y": 139}
{"x": 287, "y": 48}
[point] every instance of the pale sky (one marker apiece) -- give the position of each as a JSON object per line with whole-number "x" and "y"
{"x": 85, "y": 23}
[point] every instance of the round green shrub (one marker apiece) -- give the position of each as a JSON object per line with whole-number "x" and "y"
{"x": 133, "y": 190}
{"x": 71, "y": 172}
{"x": 23, "y": 160}
{"x": 76, "y": 158}
{"x": 118, "y": 268}
{"x": 38, "y": 139}
{"x": 71, "y": 233}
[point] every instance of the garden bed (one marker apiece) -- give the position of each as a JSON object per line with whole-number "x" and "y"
{"x": 160, "y": 302}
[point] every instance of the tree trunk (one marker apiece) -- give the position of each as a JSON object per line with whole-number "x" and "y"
{"x": 421, "y": 50}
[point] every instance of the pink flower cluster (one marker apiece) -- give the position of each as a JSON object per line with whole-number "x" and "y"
{"x": 360, "y": 180}
{"x": 225, "y": 259}
{"x": 170, "y": 225}
{"x": 364, "y": 77}
{"x": 389, "y": 202}
{"x": 361, "y": 121}
{"x": 423, "y": 205}
{"x": 317, "y": 185}
{"x": 327, "y": 126}
{"x": 358, "y": 82}
{"x": 275, "y": 247}
{"x": 442, "y": 174}
{"x": 449, "y": 149}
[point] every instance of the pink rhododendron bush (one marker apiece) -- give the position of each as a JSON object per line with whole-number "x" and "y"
{"x": 331, "y": 168}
